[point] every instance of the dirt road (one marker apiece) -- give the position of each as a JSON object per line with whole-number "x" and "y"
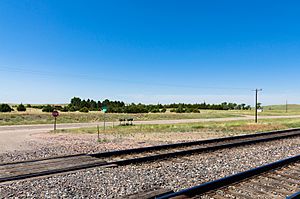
{"x": 15, "y": 137}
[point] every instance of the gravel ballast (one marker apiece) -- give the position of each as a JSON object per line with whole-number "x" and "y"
{"x": 49, "y": 145}
{"x": 175, "y": 174}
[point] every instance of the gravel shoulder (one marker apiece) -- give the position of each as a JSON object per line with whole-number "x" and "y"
{"x": 176, "y": 174}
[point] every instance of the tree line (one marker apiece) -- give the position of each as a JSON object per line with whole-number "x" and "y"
{"x": 7, "y": 108}
{"x": 82, "y": 105}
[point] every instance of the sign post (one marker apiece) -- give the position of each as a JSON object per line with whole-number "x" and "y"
{"x": 98, "y": 132}
{"x": 55, "y": 114}
{"x": 104, "y": 109}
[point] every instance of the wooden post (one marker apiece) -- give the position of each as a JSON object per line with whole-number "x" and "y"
{"x": 98, "y": 132}
{"x": 104, "y": 123}
{"x": 54, "y": 123}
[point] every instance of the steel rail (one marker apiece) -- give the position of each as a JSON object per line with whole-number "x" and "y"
{"x": 183, "y": 144}
{"x": 160, "y": 147}
{"x": 294, "y": 196}
{"x": 156, "y": 156}
{"x": 226, "y": 181}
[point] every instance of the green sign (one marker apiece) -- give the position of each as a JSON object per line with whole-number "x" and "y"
{"x": 104, "y": 109}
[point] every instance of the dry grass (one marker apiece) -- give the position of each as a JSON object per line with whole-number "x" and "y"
{"x": 192, "y": 131}
{"x": 35, "y": 116}
{"x": 259, "y": 127}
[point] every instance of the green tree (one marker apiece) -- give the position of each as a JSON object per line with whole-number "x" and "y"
{"x": 71, "y": 108}
{"x": 5, "y": 108}
{"x": 259, "y": 105}
{"x": 180, "y": 109}
{"x": 48, "y": 108}
{"x": 196, "y": 110}
{"x": 64, "y": 109}
{"x": 84, "y": 110}
{"x": 163, "y": 110}
{"x": 76, "y": 102}
{"x": 21, "y": 108}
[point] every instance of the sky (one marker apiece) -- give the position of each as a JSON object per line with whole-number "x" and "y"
{"x": 149, "y": 51}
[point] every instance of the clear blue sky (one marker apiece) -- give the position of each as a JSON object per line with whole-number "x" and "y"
{"x": 149, "y": 51}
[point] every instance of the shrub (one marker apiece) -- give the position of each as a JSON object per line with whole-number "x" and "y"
{"x": 196, "y": 110}
{"x": 5, "y": 108}
{"x": 59, "y": 108}
{"x": 64, "y": 109}
{"x": 28, "y": 105}
{"x": 37, "y": 106}
{"x": 156, "y": 110}
{"x": 71, "y": 108}
{"x": 84, "y": 110}
{"x": 180, "y": 109}
{"x": 48, "y": 108}
{"x": 21, "y": 107}
{"x": 163, "y": 110}
{"x": 188, "y": 110}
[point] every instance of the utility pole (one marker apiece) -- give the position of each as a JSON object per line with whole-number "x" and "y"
{"x": 256, "y": 102}
{"x": 286, "y": 106}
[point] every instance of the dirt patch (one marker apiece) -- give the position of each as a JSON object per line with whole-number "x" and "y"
{"x": 259, "y": 127}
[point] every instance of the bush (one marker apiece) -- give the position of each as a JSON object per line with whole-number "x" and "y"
{"x": 196, "y": 110}
{"x": 21, "y": 107}
{"x": 59, "y": 108}
{"x": 156, "y": 110}
{"x": 38, "y": 106}
{"x": 180, "y": 109}
{"x": 5, "y": 108}
{"x": 28, "y": 105}
{"x": 64, "y": 109}
{"x": 48, "y": 108}
{"x": 163, "y": 110}
{"x": 71, "y": 108}
{"x": 188, "y": 110}
{"x": 84, "y": 110}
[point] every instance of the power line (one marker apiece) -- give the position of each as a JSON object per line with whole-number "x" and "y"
{"x": 88, "y": 77}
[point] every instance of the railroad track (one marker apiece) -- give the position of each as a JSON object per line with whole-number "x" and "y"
{"x": 48, "y": 166}
{"x": 279, "y": 179}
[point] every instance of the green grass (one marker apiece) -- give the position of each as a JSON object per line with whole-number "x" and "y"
{"x": 274, "y": 110}
{"x": 36, "y": 116}
{"x": 283, "y": 107}
{"x": 233, "y": 127}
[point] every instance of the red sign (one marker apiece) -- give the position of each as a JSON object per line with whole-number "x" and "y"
{"x": 55, "y": 113}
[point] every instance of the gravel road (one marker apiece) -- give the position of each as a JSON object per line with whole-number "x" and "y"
{"x": 175, "y": 173}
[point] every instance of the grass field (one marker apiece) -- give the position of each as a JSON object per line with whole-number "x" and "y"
{"x": 33, "y": 116}
{"x": 222, "y": 128}
{"x": 36, "y": 116}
